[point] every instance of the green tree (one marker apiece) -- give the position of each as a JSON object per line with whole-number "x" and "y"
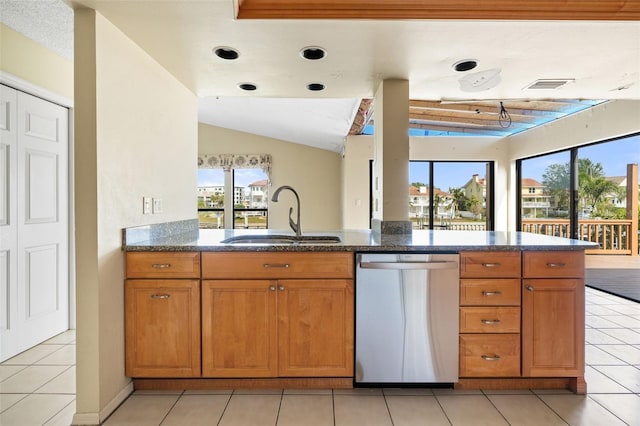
{"x": 459, "y": 199}
{"x": 556, "y": 184}
{"x": 418, "y": 184}
{"x": 475, "y": 206}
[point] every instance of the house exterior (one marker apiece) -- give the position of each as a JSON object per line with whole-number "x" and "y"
{"x": 476, "y": 187}
{"x": 534, "y": 199}
{"x": 258, "y": 195}
{"x": 419, "y": 202}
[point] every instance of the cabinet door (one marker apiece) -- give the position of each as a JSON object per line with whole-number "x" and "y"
{"x": 315, "y": 327}
{"x": 162, "y": 322}
{"x": 239, "y": 328}
{"x": 553, "y": 327}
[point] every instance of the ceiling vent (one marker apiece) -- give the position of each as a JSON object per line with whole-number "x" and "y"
{"x": 549, "y": 84}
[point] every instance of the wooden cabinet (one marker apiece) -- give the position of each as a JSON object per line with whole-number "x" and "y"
{"x": 162, "y": 315}
{"x": 553, "y": 314}
{"x": 490, "y": 314}
{"x": 525, "y": 322}
{"x": 239, "y": 336}
{"x": 291, "y": 323}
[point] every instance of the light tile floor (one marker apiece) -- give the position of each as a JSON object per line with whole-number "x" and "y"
{"x": 37, "y": 388}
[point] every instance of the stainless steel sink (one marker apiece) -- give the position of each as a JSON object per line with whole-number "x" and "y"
{"x": 282, "y": 239}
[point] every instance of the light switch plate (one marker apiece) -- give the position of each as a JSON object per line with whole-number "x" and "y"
{"x": 146, "y": 205}
{"x": 157, "y": 205}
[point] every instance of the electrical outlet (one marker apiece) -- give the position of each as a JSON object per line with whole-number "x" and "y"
{"x": 157, "y": 205}
{"x": 146, "y": 205}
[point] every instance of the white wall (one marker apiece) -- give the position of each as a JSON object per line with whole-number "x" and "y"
{"x": 136, "y": 135}
{"x": 314, "y": 173}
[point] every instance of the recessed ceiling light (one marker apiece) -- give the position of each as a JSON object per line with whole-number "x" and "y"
{"x": 249, "y": 87}
{"x": 228, "y": 53}
{"x": 313, "y": 53}
{"x": 465, "y": 65}
{"x": 315, "y": 87}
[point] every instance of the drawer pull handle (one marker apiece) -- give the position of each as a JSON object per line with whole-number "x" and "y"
{"x": 272, "y": 288}
{"x": 276, "y": 265}
{"x": 160, "y": 296}
{"x": 491, "y": 265}
{"x": 491, "y": 357}
{"x": 492, "y": 293}
{"x": 555, "y": 265}
{"x": 161, "y": 265}
{"x": 529, "y": 288}
{"x": 490, "y": 322}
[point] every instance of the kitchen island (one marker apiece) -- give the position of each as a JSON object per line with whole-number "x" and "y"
{"x": 201, "y": 313}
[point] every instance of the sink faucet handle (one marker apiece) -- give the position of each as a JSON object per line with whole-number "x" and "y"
{"x": 294, "y": 226}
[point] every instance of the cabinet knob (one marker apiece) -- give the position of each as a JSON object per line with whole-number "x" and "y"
{"x": 490, "y": 322}
{"x": 529, "y": 288}
{"x": 492, "y": 293}
{"x": 161, "y": 265}
{"x": 272, "y": 288}
{"x": 160, "y": 296}
{"x": 491, "y": 357}
{"x": 281, "y": 288}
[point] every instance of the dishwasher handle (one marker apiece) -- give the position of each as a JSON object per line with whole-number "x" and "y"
{"x": 434, "y": 264}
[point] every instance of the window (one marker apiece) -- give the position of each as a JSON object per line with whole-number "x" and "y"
{"x": 233, "y": 190}
{"x": 460, "y": 199}
{"x": 581, "y": 193}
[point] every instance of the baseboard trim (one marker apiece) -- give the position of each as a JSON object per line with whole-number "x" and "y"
{"x": 93, "y": 419}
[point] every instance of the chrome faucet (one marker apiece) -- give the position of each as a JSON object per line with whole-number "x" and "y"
{"x": 294, "y": 225}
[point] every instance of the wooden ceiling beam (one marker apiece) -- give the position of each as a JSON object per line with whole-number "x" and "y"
{"x": 471, "y": 116}
{"x": 470, "y": 122}
{"x": 482, "y": 107}
{"x": 516, "y": 10}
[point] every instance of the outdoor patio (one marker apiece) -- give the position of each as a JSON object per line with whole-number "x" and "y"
{"x": 614, "y": 274}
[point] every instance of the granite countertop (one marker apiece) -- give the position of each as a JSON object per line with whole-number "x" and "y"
{"x": 185, "y": 236}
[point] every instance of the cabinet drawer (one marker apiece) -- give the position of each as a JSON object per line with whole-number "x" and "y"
{"x": 489, "y": 355}
{"x": 481, "y": 264}
{"x": 277, "y": 265}
{"x": 489, "y": 320}
{"x": 494, "y": 292}
{"x": 549, "y": 264}
{"x": 163, "y": 265}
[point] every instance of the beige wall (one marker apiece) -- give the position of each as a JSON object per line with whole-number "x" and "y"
{"x": 31, "y": 62}
{"x": 314, "y": 173}
{"x": 135, "y": 136}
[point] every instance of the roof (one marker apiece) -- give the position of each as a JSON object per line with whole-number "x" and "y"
{"x": 415, "y": 192}
{"x": 259, "y": 183}
{"x": 528, "y": 182}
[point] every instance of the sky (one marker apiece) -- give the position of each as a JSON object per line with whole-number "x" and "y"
{"x": 614, "y": 157}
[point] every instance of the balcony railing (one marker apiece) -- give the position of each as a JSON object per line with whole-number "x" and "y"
{"x": 613, "y": 236}
{"x": 249, "y": 218}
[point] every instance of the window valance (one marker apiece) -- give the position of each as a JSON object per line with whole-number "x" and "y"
{"x": 236, "y": 161}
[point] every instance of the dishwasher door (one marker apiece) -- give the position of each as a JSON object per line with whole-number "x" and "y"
{"x": 407, "y": 318}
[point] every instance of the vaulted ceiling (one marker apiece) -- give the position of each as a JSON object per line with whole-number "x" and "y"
{"x": 514, "y": 43}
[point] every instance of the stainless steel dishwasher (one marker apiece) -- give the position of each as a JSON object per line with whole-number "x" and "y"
{"x": 406, "y": 318}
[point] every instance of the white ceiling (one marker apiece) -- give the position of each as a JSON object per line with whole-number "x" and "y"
{"x": 602, "y": 57}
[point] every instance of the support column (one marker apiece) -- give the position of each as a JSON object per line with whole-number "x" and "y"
{"x": 391, "y": 159}
{"x": 632, "y": 206}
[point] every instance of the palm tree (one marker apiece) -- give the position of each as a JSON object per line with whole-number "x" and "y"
{"x": 459, "y": 199}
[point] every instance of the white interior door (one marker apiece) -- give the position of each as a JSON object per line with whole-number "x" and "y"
{"x": 34, "y": 252}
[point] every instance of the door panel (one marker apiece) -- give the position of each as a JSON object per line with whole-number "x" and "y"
{"x": 4, "y": 291}
{"x": 41, "y": 187}
{"x": 33, "y": 220}
{"x": 42, "y": 287}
